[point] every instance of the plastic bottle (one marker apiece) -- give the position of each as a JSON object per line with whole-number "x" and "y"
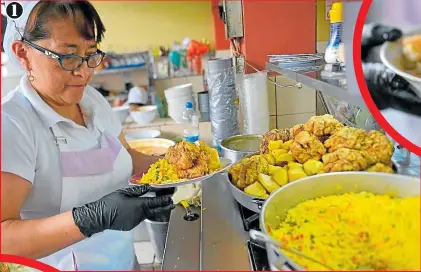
{"x": 335, "y": 37}
{"x": 191, "y": 124}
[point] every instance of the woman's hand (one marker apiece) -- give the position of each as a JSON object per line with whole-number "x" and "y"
{"x": 141, "y": 162}
{"x": 121, "y": 210}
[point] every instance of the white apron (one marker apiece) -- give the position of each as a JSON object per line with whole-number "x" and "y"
{"x": 87, "y": 176}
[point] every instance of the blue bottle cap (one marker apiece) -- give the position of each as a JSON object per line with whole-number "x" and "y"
{"x": 189, "y": 105}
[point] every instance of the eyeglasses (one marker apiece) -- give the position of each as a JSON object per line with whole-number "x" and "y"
{"x": 70, "y": 62}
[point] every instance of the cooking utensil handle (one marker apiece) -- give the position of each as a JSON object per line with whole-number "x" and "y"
{"x": 258, "y": 202}
{"x": 258, "y": 236}
{"x": 276, "y": 258}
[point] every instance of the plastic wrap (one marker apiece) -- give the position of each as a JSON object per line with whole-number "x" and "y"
{"x": 350, "y": 115}
{"x": 254, "y": 102}
{"x": 223, "y": 100}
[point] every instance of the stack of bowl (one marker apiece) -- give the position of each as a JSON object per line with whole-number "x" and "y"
{"x": 177, "y": 97}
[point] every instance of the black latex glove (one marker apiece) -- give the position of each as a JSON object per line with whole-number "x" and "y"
{"x": 387, "y": 89}
{"x": 121, "y": 210}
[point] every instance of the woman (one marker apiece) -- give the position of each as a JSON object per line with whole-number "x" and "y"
{"x": 65, "y": 160}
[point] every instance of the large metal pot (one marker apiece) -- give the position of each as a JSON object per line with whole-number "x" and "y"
{"x": 237, "y": 147}
{"x": 288, "y": 196}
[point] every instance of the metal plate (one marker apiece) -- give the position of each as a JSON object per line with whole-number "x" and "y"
{"x": 225, "y": 164}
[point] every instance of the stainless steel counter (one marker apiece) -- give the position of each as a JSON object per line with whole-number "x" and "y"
{"x": 223, "y": 239}
{"x": 182, "y": 251}
{"x": 216, "y": 241}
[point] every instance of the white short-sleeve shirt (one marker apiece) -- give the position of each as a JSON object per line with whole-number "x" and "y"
{"x": 29, "y": 149}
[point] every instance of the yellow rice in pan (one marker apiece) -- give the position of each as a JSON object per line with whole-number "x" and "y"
{"x": 354, "y": 231}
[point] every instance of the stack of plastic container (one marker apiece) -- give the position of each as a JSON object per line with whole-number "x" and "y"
{"x": 177, "y": 97}
{"x": 223, "y": 99}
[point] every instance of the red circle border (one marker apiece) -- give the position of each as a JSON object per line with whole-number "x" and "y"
{"x": 27, "y": 262}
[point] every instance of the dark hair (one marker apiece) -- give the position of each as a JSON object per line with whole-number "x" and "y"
{"x": 85, "y": 18}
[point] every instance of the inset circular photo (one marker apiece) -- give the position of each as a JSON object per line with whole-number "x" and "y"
{"x": 389, "y": 74}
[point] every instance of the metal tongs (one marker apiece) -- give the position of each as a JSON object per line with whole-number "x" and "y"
{"x": 262, "y": 238}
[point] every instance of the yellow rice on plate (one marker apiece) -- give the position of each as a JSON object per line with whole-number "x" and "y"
{"x": 354, "y": 231}
{"x": 160, "y": 172}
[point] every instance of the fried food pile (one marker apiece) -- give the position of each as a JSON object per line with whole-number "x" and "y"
{"x": 183, "y": 161}
{"x": 321, "y": 145}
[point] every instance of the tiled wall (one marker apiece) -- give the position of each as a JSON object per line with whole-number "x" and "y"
{"x": 289, "y": 106}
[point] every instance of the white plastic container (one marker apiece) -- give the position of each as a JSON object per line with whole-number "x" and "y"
{"x": 121, "y": 113}
{"x": 178, "y": 91}
{"x": 144, "y": 115}
{"x": 177, "y": 97}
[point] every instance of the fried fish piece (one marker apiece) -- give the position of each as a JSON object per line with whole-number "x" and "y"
{"x": 199, "y": 169}
{"x": 273, "y": 135}
{"x": 323, "y": 125}
{"x": 307, "y": 146}
{"x": 378, "y": 148}
{"x": 295, "y": 130}
{"x": 380, "y": 167}
{"x": 344, "y": 159}
{"x": 347, "y": 137}
{"x": 183, "y": 155}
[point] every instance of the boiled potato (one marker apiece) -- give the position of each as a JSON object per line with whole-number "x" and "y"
{"x": 256, "y": 189}
{"x": 313, "y": 167}
{"x": 267, "y": 182}
{"x": 272, "y": 169}
{"x": 269, "y": 158}
{"x": 287, "y": 145}
{"x": 284, "y": 158}
{"x": 292, "y": 165}
{"x": 295, "y": 174}
{"x": 278, "y": 152}
{"x": 274, "y": 145}
{"x": 280, "y": 176}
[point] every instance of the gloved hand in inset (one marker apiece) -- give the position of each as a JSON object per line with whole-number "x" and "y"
{"x": 387, "y": 89}
{"x": 121, "y": 210}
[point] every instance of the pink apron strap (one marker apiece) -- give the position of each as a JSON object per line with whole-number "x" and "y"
{"x": 87, "y": 162}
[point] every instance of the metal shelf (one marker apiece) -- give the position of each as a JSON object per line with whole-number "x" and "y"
{"x": 315, "y": 78}
{"x": 120, "y": 70}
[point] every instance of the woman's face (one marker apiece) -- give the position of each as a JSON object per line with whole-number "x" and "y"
{"x": 54, "y": 84}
